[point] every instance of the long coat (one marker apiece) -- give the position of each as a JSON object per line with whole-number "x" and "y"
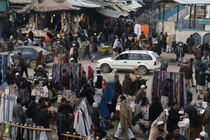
{"x": 125, "y": 116}
{"x": 39, "y": 59}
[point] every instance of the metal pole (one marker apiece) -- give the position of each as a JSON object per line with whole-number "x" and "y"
{"x": 164, "y": 10}
{"x": 177, "y": 17}
{"x": 159, "y": 11}
{"x": 190, "y": 18}
{"x": 194, "y": 15}
{"x": 204, "y": 14}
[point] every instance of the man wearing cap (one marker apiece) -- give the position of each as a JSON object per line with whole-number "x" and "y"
{"x": 185, "y": 68}
{"x": 159, "y": 132}
{"x": 141, "y": 93}
{"x": 203, "y": 136}
{"x": 59, "y": 51}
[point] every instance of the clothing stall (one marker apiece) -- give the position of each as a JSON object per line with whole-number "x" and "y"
{"x": 3, "y": 67}
{"x": 8, "y": 100}
{"x": 74, "y": 72}
{"x": 177, "y": 86}
{"x": 82, "y": 118}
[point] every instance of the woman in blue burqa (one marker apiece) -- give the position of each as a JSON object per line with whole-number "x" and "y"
{"x": 106, "y": 100}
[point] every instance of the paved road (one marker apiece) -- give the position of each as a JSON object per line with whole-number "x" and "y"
{"x": 170, "y": 57}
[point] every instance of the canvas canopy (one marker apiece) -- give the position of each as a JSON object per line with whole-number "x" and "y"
{"x": 51, "y": 5}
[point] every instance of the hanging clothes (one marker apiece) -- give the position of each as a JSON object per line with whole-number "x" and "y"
{"x": 177, "y": 87}
{"x": 82, "y": 119}
{"x": 74, "y": 71}
{"x": 2, "y": 107}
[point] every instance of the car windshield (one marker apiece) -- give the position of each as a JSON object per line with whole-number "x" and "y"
{"x": 155, "y": 55}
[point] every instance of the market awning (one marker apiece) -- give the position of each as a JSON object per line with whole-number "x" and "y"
{"x": 124, "y": 13}
{"x": 192, "y": 1}
{"x": 83, "y": 4}
{"x": 106, "y": 11}
{"x": 136, "y": 3}
{"x": 51, "y": 5}
{"x": 123, "y": 7}
{"x": 26, "y": 9}
{"x": 20, "y": 1}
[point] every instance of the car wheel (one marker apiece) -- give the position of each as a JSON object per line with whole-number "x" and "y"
{"x": 105, "y": 68}
{"x": 142, "y": 70}
{"x": 33, "y": 64}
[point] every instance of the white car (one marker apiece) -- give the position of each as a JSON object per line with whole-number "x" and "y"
{"x": 128, "y": 60}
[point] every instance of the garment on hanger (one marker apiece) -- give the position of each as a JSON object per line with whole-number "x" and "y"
{"x": 2, "y": 107}
{"x": 82, "y": 119}
{"x": 177, "y": 86}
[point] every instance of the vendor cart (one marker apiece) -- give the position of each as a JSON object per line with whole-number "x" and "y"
{"x": 103, "y": 50}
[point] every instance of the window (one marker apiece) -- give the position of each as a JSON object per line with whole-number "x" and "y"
{"x": 15, "y": 52}
{"x": 122, "y": 57}
{"x": 146, "y": 57}
{"x": 27, "y": 52}
{"x": 134, "y": 56}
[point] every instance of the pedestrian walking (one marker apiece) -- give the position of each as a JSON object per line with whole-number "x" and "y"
{"x": 95, "y": 52}
{"x": 59, "y": 51}
{"x": 125, "y": 120}
{"x": 22, "y": 65}
{"x": 190, "y": 44}
{"x": 186, "y": 69}
{"x": 39, "y": 59}
{"x": 86, "y": 45}
{"x": 198, "y": 56}
{"x": 179, "y": 53}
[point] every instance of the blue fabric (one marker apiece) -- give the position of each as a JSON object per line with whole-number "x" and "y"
{"x": 13, "y": 135}
{"x": 105, "y": 99}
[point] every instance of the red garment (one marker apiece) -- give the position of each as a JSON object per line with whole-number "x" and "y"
{"x": 90, "y": 72}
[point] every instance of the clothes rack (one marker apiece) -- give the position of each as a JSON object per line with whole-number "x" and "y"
{"x": 32, "y": 128}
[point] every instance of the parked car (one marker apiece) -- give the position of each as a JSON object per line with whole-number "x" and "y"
{"x": 128, "y": 60}
{"x": 30, "y": 53}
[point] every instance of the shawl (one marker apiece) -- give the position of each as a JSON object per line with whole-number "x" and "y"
{"x": 125, "y": 116}
{"x": 105, "y": 99}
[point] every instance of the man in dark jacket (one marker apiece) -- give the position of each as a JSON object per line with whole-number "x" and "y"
{"x": 173, "y": 117}
{"x": 192, "y": 112}
{"x": 185, "y": 68}
{"x": 190, "y": 42}
{"x": 63, "y": 123}
{"x": 18, "y": 113}
{"x": 155, "y": 110}
{"x": 65, "y": 79}
{"x": 42, "y": 118}
{"x": 83, "y": 80}
{"x": 22, "y": 65}
{"x": 201, "y": 82}
{"x": 31, "y": 113}
{"x": 98, "y": 86}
